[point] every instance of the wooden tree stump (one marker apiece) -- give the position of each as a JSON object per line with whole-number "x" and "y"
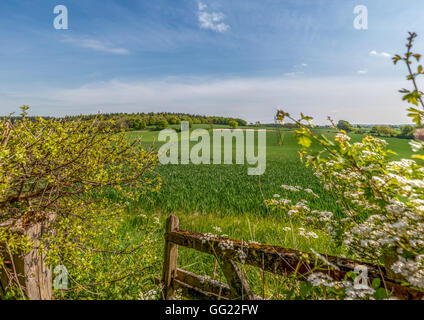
{"x": 31, "y": 272}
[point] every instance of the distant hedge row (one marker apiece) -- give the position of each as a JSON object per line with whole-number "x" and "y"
{"x": 139, "y": 121}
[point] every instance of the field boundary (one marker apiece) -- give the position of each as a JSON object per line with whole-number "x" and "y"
{"x": 274, "y": 259}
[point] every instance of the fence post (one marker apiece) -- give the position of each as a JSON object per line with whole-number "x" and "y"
{"x": 170, "y": 258}
{"x": 239, "y": 287}
{"x": 30, "y": 271}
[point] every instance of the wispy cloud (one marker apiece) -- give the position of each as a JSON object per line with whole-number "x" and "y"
{"x": 211, "y": 20}
{"x": 380, "y": 54}
{"x": 96, "y": 45}
{"x": 293, "y": 74}
{"x": 363, "y": 72}
{"x": 202, "y": 6}
{"x": 298, "y": 71}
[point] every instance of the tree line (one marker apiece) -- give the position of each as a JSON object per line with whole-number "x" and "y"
{"x": 152, "y": 120}
{"x": 404, "y": 132}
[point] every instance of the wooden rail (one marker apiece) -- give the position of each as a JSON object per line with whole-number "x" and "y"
{"x": 274, "y": 259}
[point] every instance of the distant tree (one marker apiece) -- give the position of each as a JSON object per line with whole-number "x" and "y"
{"x": 122, "y": 124}
{"x": 162, "y": 124}
{"x": 407, "y": 132}
{"x": 345, "y": 125}
{"x": 242, "y": 122}
{"x": 139, "y": 124}
{"x": 153, "y": 120}
{"x": 233, "y": 124}
{"x": 374, "y": 129}
{"x": 174, "y": 120}
{"x": 384, "y": 131}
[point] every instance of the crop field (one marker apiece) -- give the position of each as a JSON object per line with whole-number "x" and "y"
{"x": 228, "y": 189}
{"x": 224, "y": 199}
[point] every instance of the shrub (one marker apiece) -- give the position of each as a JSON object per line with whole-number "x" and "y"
{"x": 86, "y": 175}
{"x": 382, "y": 199}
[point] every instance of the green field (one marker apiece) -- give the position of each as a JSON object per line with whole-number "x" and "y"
{"x": 224, "y": 196}
{"x": 227, "y": 189}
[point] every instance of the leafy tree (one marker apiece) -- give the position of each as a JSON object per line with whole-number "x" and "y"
{"x": 233, "y": 124}
{"x": 174, "y": 120}
{"x": 345, "y": 125}
{"x": 123, "y": 123}
{"x": 162, "y": 124}
{"x": 407, "y": 132}
{"x": 386, "y": 131}
{"x": 153, "y": 120}
{"x": 139, "y": 124}
{"x": 374, "y": 129}
{"x": 83, "y": 176}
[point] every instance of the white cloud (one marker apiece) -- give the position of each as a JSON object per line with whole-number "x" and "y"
{"x": 293, "y": 74}
{"x": 297, "y": 72}
{"x": 211, "y": 20}
{"x": 380, "y": 54}
{"x": 363, "y": 72}
{"x": 359, "y": 100}
{"x": 96, "y": 45}
{"x": 202, "y": 6}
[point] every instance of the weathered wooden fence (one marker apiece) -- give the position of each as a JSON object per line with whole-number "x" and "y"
{"x": 274, "y": 259}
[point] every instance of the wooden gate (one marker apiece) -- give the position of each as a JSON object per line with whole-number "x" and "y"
{"x": 274, "y": 259}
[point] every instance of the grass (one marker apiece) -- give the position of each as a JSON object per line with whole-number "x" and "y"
{"x": 224, "y": 196}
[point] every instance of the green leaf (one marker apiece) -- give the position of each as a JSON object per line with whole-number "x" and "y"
{"x": 416, "y": 116}
{"x": 304, "y": 141}
{"x": 351, "y": 275}
{"x": 380, "y": 294}
{"x": 396, "y": 58}
{"x": 376, "y": 283}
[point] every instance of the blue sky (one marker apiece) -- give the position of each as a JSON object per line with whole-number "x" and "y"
{"x": 239, "y": 58}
